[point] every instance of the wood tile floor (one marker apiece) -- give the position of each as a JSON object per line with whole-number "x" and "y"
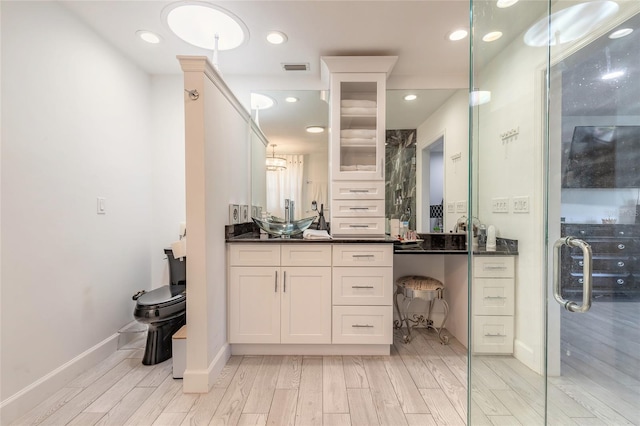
{"x": 421, "y": 383}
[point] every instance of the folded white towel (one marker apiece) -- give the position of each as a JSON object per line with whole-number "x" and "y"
{"x": 313, "y": 234}
{"x": 179, "y": 248}
{"x": 357, "y": 141}
{"x": 366, "y": 168}
{"x": 357, "y": 103}
{"x": 358, "y": 111}
{"x": 358, "y": 133}
{"x": 348, "y": 168}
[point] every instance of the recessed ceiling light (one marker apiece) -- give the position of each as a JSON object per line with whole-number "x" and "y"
{"x": 410, "y": 97}
{"x": 291, "y": 99}
{"x": 620, "y": 33}
{"x": 613, "y": 74}
{"x": 492, "y": 36}
{"x": 458, "y": 34}
{"x": 149, "y": 37}
{"x": 199, "y": 23}
{"x": 276, "y": 37}
{"x": 315, "y": 129}
{"x": 505, "y": 3}
{"x": 570, "y": 24}
{"x": 260, "y": 101}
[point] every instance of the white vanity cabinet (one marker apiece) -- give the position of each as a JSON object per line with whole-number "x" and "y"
{"x": 493, "y": 302}
{"x": 362, "y": 293}
{"x": 357, "y": 140}
{"x": 279, "y": 293}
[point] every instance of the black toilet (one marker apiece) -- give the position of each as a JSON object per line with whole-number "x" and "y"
{"x": 164, "y": 310}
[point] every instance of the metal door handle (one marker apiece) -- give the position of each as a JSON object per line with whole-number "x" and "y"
{"x": 586, "y": 274}
{"x": 361, "y": 286}
{"x": 284, "y": 282}
{"x": 362, "y": 326}
{"x": 276, "y": 283}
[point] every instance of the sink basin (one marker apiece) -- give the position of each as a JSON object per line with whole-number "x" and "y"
{"x": 277, "y": 226}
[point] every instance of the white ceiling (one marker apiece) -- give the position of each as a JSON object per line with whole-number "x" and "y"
{"x": 415, "y": 31}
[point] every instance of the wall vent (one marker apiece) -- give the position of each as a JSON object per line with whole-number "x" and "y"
{"x": 296, "y": 67}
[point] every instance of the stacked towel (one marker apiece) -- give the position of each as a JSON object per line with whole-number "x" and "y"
{"x": 357, "y": 141}
{"x": 357, "y": 103}
{"x": 358, "y": 111}
{"x": 358, "y": 168}
{"x": 358, "y": 133}
{"x": 313, "y": 234}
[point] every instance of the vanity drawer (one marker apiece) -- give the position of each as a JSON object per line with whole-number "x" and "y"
{"x": 352, "y": 190}
{"x": 493, "y": 266}
{"x": 493, "y": 296}
{"x": 363, "y": 255}
{"x": 254, "y": 254}
{"x": 362, "y": 324}
{"x": 493, "y": 334}
{"x": 358, "y": 208}
{"x": 357, "y": 226}
{"x": 307, "y": 254}
{"x": 362, "y": 286}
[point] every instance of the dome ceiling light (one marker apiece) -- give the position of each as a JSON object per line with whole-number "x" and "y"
{"x": 457, "y": 34}
{"x": 149, "y": 36}
{"x": 200, "y": 23}
{"x": 622, "y": 32}
{"x": 277, "y": 37}
{"x": 315, "y": 129}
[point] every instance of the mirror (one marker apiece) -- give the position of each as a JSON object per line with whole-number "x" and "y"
{"x": 413, "y": 140}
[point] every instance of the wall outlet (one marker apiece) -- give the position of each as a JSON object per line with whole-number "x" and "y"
{"x": 461, "y": 206}
{"x": 520, "y": 204}
{"x": 451, "y": 208}
{"x": 500, "y": 205}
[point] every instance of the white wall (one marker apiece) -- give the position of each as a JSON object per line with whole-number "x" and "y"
{"x": 79, "y": 121}
{"x": 514, "y": 167}
{"x": 450, "y": 121}
{"x": 316, "y": 182}
{"x": 167, "y": 154}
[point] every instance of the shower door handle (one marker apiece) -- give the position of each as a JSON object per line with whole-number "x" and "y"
{"x": 586, "y": 274}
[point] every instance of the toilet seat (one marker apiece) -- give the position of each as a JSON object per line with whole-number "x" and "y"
{"x": 161, "y": 304}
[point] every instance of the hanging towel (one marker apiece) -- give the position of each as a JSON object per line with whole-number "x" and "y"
{"x": 179, "y": 248}
{"x": 357, "y": 103}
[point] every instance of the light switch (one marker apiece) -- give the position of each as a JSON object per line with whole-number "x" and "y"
{"x": 102, "y": 206}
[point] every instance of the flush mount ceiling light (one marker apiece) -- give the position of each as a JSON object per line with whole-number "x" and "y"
{"x": 620, "y": 33}
{"x": 570, "y": 24}
{"x": 479, "y": 97}
{"x": 410, "y": 97}
{"x": 291, "y": 99}
{"x": 505, "y": 3}
{"x": 149, "y": 36}
{"x": 457, "y": 34}
{"x": 274, "y": 163}
{"x": 315, "y": 129}
{"x": 492, "y": 36}
{"x": 276, "y": 37}
{"x": 198, "y": 23}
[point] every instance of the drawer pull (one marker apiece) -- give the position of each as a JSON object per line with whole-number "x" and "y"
{"x": 621, "y": 264}
{"x": 364, "y": 191}
{"x": 362, "y": 326}
{"x": 495, "y": 335}
{"x": 276, "y": 283}
{"x": 358, "y": 226}
{"x": 358, "y": 208}
{"x": 362, "y": 255}
{"x": 361, "y": 286}
{"x": 620, "y": 281}
{"x": 495, "y": 297}
{"x": 494, "y": 268}
{"x": 621, "y": 246}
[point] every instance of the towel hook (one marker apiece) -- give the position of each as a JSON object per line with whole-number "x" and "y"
{"x": 193, "y": 94}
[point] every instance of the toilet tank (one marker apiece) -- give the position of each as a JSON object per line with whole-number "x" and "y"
{"x": 177, "y": 268}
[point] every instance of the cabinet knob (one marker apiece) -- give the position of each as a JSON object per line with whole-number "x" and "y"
{"x": 621, "y": 246}
{"x": 581, "y": 263}
{"x": 580, "y": 280}
{"x": 582, "y": 232}
{"x": 621, "y": 233}
{"x": 620, "y": 281}
{"x": 621, "y": 264}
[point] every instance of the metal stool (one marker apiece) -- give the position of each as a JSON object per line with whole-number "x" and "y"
{"x": 425, "y": 288}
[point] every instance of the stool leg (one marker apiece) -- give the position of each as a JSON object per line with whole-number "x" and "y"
{"x": 443, "y": 339}
{"x": 398, "y": 324}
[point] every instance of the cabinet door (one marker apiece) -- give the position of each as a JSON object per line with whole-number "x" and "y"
{"x": 306, "y": 305}
{"x": 357, "y": 126}
{"x": 254, "y": 305}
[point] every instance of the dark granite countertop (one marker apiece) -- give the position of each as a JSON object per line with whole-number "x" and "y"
{"x": 251, "y": 237}
{"x": 453, "y": 244}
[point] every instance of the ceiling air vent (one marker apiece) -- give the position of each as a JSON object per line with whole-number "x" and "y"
{"x": 295, "y": 67}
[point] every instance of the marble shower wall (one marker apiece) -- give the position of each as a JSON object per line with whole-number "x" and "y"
{"x": 400, "y": 172}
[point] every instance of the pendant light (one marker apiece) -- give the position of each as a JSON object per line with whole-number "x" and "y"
{"x": 274, "y": 163}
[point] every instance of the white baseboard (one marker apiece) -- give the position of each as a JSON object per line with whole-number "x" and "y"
{"x": 24, "y": 400}
{"x": 200, "y": 381}
{"x": 526, "y": 355}
{"x": 328, "y": 349}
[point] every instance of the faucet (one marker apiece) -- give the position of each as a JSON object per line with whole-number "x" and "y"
{"x": 289, "y": 210}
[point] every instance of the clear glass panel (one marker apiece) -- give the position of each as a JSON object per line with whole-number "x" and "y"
{"x": 594, "y": 176}
{"x": 507, "y": 287}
